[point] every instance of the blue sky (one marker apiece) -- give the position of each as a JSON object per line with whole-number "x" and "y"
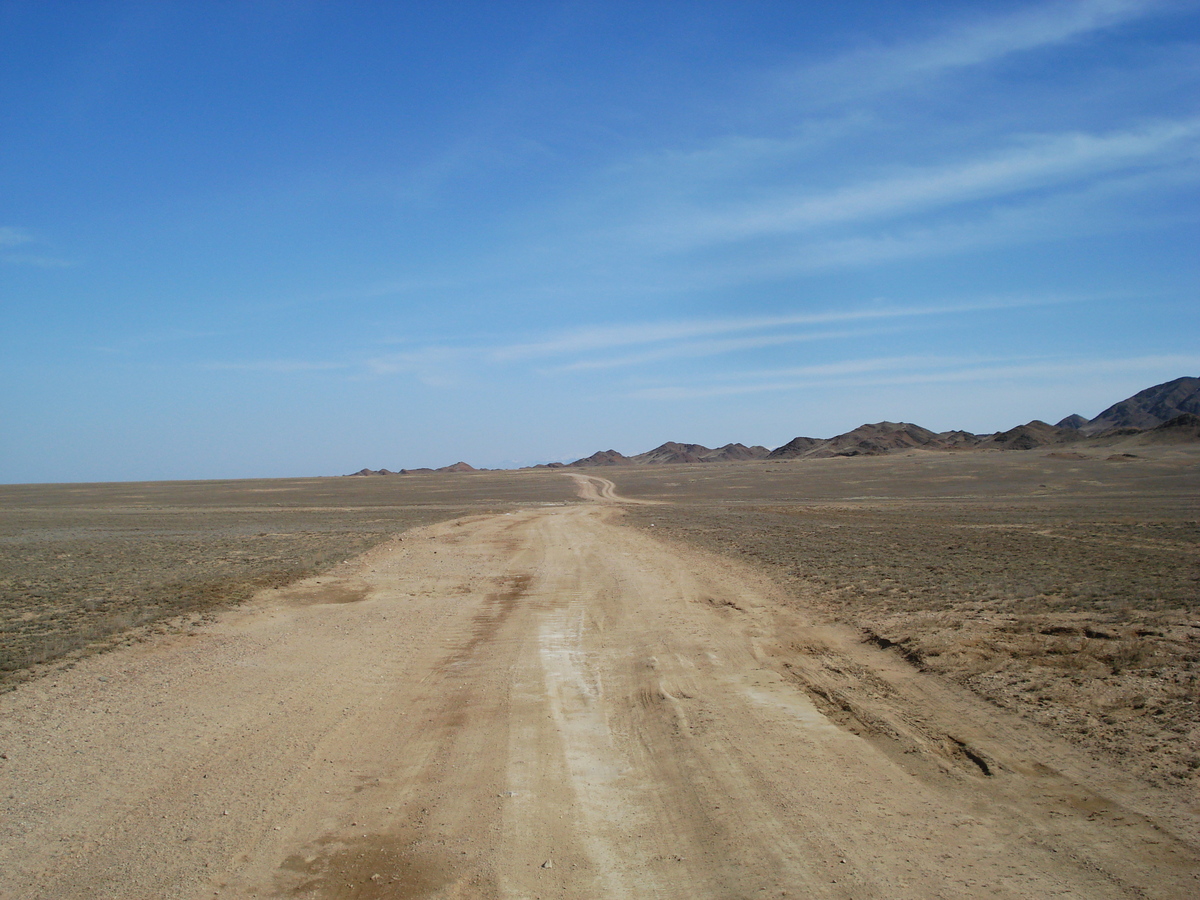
{"x": 280, "y": 239}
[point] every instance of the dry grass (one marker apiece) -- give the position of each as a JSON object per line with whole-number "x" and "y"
{"x": 1067, "y": 590}
{"x": 81, "y": 565}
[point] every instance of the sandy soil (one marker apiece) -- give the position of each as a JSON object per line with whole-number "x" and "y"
{"x": 81, "y": 565}
{"x": 1062, "y": 589}
{"x": 547, "y": 703}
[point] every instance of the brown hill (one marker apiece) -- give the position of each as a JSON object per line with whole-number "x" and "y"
{"x": 1180, "y": 430}
{"x": 732, "y": 452}
{"x": 877, "y": 439}
{"x": 1151, "y": 407}
{"x": 797, "y": 446}
{"x": 958, "y": 440}
{"x": 1073, "y": 421}
{"x": 1186, "y": 421}
{"x": 458, "y": 467}
{"x": 869, "y": 440}
{"x": 1029, "y": 437}
{"x": 675, "y": 452}
{"x": 603, "y": 458}
{"x": 672, "y": 452}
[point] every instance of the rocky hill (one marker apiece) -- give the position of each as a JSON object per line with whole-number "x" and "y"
{"x": 457, "y": 467}
{"x": 889, "y": 437}
{"x": 1150, "y": 408}
{"x": 604, "y": 458}
{"x": 1073, "y": 421}
{"x": 732, "y": 452}
{"x": 877, "y": 439}
{"x": 1181, "y": 429}
{"x": 671, "y": 452}
{"x": 1029, "y": 437}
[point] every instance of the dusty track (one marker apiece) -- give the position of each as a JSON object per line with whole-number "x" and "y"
{"x": 547, "y": 704}
{"x": 601, "y": 490}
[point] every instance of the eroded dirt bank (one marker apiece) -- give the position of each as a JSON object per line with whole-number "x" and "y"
{"x": 548, "y": 704}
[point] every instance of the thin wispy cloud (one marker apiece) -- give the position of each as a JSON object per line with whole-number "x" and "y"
{"x": 14, "y": 237}
{"x": 38, "y": 261}
{"x": 884, "y": 69}
{"x": 913, "y": 370}
{"x": 650, "y": 223}
{"x": 1116, "y": 205}
{"x": 591, "y": 349}
{"x": 796, "y": 190}
{"x": 795, "y": 377}
{"x": 26, "y": 252}
{"x": 434, "y": 366}
{"x": 598, "y": 348}
{"x": 133, "y": 342}
{"x": 277, "y": 366}
{"x": 794, "y": 127}
{"x": 603, "y": 338}
{"x": 1033, "y": 28}
{"x": 1037, "y": 162}
{"x": 696, "y": 349}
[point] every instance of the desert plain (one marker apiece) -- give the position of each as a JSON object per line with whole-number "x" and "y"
{"x": 918, "y": 675}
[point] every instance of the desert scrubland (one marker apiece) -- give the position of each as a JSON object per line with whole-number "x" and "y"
{"x": 1065, "y": 587}
{"x": 82, "y": 564}
{"x": 915, "y": 675}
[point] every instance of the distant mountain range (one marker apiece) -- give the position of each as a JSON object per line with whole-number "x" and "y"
{"x": 671, "y": 452}
{"x": 457, "y": 467}
{"x": 1165, "y": 413}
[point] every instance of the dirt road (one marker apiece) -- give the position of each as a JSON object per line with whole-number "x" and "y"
{"x": 548, "y": 704}
{"x": 600, "y": 490}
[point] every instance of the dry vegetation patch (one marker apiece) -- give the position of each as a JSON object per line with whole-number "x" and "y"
{"x": 81, "y": 565}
